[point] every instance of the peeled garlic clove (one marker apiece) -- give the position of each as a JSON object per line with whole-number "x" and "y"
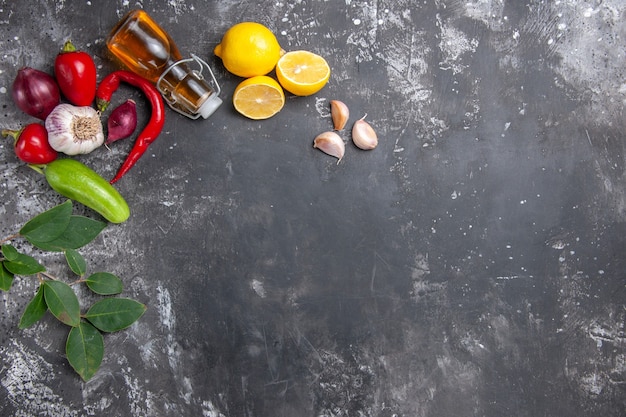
{"x": 330, "y": 143}
{"x": 339, "y": 113}
{"x": 363, "y": 135}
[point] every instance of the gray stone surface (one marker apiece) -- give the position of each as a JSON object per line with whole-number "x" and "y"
{"x": 472, "y": 265}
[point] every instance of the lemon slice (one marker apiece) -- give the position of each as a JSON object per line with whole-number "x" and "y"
{"x": 258, "y": 97}
{"x": 302, "y": 72}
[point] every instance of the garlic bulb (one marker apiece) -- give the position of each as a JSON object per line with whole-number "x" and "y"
{"x": 330, "y": 143}
{"x": 339, "y": 113}
{"x": 363, "y": 135}
{"x": 74, "y": 130}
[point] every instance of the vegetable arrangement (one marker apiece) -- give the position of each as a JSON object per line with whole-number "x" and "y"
{"x": 57, "y": 230}
{"x": 72, "y": 125}
{"x": 157, "y": 118}
{"x": 71, "y": 105}
{"x": 75, "y": 127}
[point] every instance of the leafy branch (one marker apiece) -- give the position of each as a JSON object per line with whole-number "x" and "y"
{"x": 58, "y": 230}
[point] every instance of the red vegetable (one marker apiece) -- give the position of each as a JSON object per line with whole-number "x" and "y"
{"x": 75, "y": 72}
{"x": 35, "y": 92}
{"x": 157, "y": 118}
{"x": 31, "y": 144}
{"x": 122, "y": 121}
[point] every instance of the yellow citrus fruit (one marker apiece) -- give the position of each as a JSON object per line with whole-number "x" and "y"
{"x": 248, "y": 49}
{"x": 302, "y": 72}
{"x": 258, "y": 97}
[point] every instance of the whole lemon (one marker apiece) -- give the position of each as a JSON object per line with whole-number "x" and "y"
{"x": 248, "y": 49}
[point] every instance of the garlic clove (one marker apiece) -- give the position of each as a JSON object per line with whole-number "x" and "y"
{"x": 339, "y": 113}
{"x": 363, "y": 135}
{"x": 331, "y": 144}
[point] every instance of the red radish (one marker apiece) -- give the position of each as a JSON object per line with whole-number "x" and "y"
{"x": 122, "y": 121}
{"x": 35, "y": 92}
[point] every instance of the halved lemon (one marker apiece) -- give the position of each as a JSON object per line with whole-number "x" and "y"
{"x": 302, "y": 72}
{"x": 258, "y": 97}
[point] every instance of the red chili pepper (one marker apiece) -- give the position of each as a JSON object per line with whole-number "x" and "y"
{"x": 157, "y": 118}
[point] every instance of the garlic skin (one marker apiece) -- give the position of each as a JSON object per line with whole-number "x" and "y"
{"x": 363, "y": 135}
{"x": 339, "y": 113}
{"x": 74, "y": 130}
{"x": 331, "y": 144}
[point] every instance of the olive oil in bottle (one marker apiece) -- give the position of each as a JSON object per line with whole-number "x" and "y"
{"x": 143, "y": 47}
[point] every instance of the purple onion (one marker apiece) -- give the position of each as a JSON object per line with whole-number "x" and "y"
{"x": 122, "y": 121}
{"x": 35, "y": 92}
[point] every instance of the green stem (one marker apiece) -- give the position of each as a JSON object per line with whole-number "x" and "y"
{"x": 102, "y": 104}
{"x": 38, "y": 168}
{"x": 14, "y": 133}
{"x": 69, "y": 46}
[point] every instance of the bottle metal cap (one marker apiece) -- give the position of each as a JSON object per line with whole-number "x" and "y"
{"x": 209, "y": 106}
{"x": 212, "y": 102}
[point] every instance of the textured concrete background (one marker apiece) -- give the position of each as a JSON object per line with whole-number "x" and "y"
{"x": 472, "y": 265}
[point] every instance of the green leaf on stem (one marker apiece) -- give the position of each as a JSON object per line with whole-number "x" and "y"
{"x": 85, "y": 349}
{"x": 35, "y": 310}
{"x": 75, "y": 260}
{"x": 113, "y": 314}
{"x": 48, "y": 225}
{"x": 80, "y": 231}
{"x": 19, "y": 263}
{"x": 62, "y": 302}
{"x": 104, "y": 283}
{"x": 6, "y": 278}
{"x": 9, "y": 252}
